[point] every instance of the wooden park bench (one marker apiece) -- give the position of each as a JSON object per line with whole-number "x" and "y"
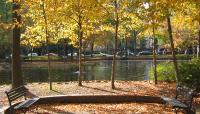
{"x": 18, "y": 93}
{"x": 183, "y": 99}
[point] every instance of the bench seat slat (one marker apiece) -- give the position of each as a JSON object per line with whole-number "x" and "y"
{"x": 26, "y": 104}
{"x": 174, "y": 102}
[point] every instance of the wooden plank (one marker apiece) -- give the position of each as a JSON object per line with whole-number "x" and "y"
{"x": 99, "y": 99}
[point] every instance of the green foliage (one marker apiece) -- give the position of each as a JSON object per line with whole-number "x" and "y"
{"x": 190, "y": 73}
{"x": 165, "y": 72}
{"x": 5, "y": 26}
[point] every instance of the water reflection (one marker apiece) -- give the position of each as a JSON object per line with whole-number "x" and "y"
{"x": 101, "y": 70}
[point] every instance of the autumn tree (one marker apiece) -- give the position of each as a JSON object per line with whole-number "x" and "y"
{"x": 79, "y": 13}
{"x": 166, "y": 8}
{"x": 45, "y": 22}
{"x": 116, "y": 20}
{"x": 192, "y": 8}
{"x": 32, "y": 38}
{"x": 153, "y": 18}
{"x": 17, "y": 79}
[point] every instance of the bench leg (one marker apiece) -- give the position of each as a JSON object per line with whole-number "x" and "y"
{"x": 24, "y": 111}
{"x": 176, "y": 111}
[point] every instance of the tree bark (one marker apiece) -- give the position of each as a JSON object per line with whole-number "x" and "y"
{"x": 80, "y": 35}
{"x": 172, "y": 47}
{"x": 47, "y": 43}
{"x": 198, "y": 51}
{"x": 64, "y": 54}
{"x": 17, "y": 79}
{"x": 115, "y": 47}
{"x": 72, "y": 53}
{"x": 134, "y": 41}
{"x": 126, "y": 47}
{"x": 154, "y": 57}
{"x": 31, "y": 54}
{"x": 92, "y": 48}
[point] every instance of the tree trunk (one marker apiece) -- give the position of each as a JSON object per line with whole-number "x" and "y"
{"x": 47, "y": 43}
{"x": 198, "y": 50}
{"x": 31, "y": 54}
{"x": 115, "y": 47}
{"x": 80, "y": 35}
{"x": 172, "y": 47}
{"x": 126, "y": 47}
{"x": 72, "y": 53}
{"x": 154, "y": 57}
{"x": 64, "y": 52}
{"x": 134, "y": 41}
{"x": 92, "y": 48}
{"x": 17, "y": 79}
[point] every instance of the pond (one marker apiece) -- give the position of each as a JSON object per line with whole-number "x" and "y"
{"x": 99, "y": 70}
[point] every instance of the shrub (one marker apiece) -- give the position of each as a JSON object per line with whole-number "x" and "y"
{"x": 165, "y": 72}
{"x": 189, "y": 72}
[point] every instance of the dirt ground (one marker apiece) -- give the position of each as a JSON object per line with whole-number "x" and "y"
{"x": 98, "y": 88}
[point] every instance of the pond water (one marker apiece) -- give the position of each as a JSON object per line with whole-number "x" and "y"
{"x": 100, "y": 70}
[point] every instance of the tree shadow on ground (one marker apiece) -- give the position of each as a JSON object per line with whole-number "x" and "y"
{"x": 122, "y": 90}
{"x": 56, "y": 91}
{"x": 99, "y": 89}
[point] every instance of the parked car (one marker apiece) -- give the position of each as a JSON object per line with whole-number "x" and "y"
{"x": 9, "y": 57}
{"x": 106, "y": 55}
{"x": 97, "y": 54}
{"x": 145, "y": 53}
{"x": 32, "y": 54}
{"x": 161, "y": 51}
{"x": 51, "y": 54}
{"x": 122, "y": 53}
{"x": 188, "y": 51}
{"x": 74, "y": 54}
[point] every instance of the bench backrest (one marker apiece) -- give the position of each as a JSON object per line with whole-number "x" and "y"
{"x": 185, "y": 95}
{"x": 16, "y": 93}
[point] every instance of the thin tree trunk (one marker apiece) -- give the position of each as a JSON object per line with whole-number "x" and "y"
{"x": 31, "y": 54}
{"x": 92, "y": 48}
{"x": 154, "y": 57}
{"x": 173, "y": 51}
{"x": 72, "y": 53}
{"x": 17, "y": 79}
{"x": 126, "y": 47}
{"x": 65, "y": 48}
{"x": 80, "y": 35}
{"x": 134, "y": 41}
{"x": 198, "y": 50}
{"x": 47, "y": 42}
{"x": 115, "y": 47}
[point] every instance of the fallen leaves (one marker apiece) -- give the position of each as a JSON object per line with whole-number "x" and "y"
{"x": 122, "y": 108}
{"x": 141, "y": 88}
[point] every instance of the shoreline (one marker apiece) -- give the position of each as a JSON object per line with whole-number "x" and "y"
{"x": 142, "y": 58}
